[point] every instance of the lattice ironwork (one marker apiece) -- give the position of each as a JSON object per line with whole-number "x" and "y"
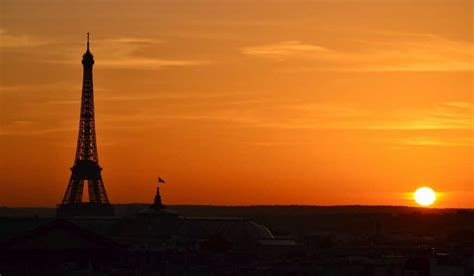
{"x": 86, "y": 169}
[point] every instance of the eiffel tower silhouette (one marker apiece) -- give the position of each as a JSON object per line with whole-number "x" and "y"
{"x": 86, "y": 169}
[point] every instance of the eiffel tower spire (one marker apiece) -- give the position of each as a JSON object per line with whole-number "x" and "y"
{"x": 86, "y": 169}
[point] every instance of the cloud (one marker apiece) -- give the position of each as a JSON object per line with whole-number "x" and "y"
{"x": 445, "y": 124}
{"x": 449, "y": 115}
{"x": 27, "y": 130}
{"x": 380, "y": 52}
{"x": 302, "y": 115}
{"x": 445, "y": 116}
{"x": 19, "y": 41}
{"x": 433, "y": 141}
{"x": 125, "y": 52}
{"x": 133, "y": 40}
{"x": 182, "y": 97}
{"x": 148, "y": 63}
{"x": 128, "y": 53}
{"x": 39, "y": 87}
{"x": 284, "y": 49}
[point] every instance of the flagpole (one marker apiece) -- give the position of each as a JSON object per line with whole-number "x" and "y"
{"x": 158, "y": 204}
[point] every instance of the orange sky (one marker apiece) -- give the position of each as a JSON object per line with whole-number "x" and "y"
{"x": 240, "y": 101}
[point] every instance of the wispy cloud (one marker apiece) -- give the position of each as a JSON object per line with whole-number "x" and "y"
{"x": 435, "y": 141}
{"x": 302, "y": 115}
{"x": 148, "y": 63}
{"x": 445, "y": 116}
{"x": 387, "y": 52}
{"x": 124, "y": 52}
{"x": 182, "y": 97}
{"x": 129, "y": 53}
{"x": 8, "y": 40}
{"x": 450, "y": 115}
{"x": 20, "y": 88}
{"x": 133, "y": 40}
{"x": 284, "y": 50}
{"x": 28, "y": 129}
{"x": 245, "y": 111}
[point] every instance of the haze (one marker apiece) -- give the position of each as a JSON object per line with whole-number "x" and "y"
{"x": 242, "y": 102}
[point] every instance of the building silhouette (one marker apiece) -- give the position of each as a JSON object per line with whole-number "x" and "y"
{"x": 86, "y": 169}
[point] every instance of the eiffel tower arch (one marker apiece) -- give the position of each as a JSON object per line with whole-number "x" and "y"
{"x": 86, "y": 170}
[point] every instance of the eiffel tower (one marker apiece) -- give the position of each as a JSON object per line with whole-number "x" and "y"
{"x": 86, "y": 169}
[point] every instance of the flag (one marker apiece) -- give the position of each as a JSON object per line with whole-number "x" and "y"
{"x": 161, "y": 180}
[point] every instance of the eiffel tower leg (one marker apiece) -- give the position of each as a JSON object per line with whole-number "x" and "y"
{"x": 93, "y": 196}
{"x": 67, "y": 195}
{"x": 80, "y": 189}
{"x": 102, "y": 192}
{"x": 97, "y": 191}
{"x": 74, "y": 191}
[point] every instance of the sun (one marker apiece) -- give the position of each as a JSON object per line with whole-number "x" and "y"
{"x": 425, "y": 196}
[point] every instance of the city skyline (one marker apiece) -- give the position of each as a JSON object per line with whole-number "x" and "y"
{"x": 246, "y": 107}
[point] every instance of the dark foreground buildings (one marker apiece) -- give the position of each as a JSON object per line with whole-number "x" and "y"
{"x": 89, "y": 238}
{"x": 153, "y": 241}
{"x": 159, "y": 241}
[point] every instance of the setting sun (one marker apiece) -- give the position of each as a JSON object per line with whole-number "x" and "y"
{"x": 425, "y": 196}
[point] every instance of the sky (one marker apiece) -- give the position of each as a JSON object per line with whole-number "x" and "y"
{"x": 242, "y": 102}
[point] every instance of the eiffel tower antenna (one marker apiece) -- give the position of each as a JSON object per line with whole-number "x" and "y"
{"x": 87, "y": 41}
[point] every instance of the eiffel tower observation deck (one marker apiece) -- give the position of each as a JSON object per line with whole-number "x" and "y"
{"x": 86, "y": 171}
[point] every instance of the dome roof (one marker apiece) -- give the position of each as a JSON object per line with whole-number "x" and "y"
{"x": 88, "y": 58}
{"x": 233, "y": 229}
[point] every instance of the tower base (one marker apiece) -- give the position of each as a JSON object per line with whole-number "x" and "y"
{"x": 85, "y": 209}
